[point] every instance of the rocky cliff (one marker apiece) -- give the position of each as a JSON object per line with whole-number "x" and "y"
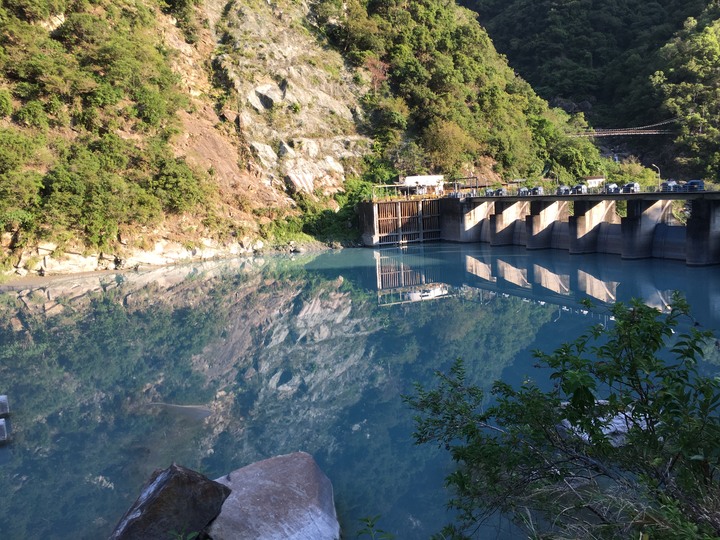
{"x": 296, "y": 103}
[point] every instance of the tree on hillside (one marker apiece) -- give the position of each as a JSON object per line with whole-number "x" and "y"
{"x": 595, "y": 55}
{"x": 625, "y": 443}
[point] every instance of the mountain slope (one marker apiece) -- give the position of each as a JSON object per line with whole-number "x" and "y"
{"x": 444, "y": 100}
{"x": 113, "y": 134}
{"x": 595, "y": 56}
{"x": 623, "y": 63}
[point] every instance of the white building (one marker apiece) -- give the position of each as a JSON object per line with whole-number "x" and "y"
{"x": 423, "y": 184}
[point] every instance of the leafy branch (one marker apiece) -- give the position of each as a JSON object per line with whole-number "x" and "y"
{"x": 626, "y": 441}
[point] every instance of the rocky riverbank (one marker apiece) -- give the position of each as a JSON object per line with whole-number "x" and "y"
{"x": 48, "y": 259}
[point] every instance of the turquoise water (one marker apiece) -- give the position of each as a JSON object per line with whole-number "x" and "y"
{"x": 280, "y": 354}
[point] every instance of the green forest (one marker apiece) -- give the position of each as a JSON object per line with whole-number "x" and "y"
{"x": 622, "y": 63}
{"x": 442, "y": 99}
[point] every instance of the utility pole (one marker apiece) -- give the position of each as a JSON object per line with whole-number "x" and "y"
{"x": 557, "y": 178}
{"x": 659, "y": 177}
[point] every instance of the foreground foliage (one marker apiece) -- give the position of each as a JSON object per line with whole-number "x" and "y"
{"x": 626, "y": 442}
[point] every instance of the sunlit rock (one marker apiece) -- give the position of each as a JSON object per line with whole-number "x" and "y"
{"x": 53, "y": 22}
{"x": 46, "y": 248}
{"x": 265, "y": 154}
{"x": 266, "y": 96}
{"x": 283, "y": 498}
{"x": 70, "y": 263}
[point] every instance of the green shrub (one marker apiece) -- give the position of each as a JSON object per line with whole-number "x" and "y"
{"x": 15, "y": 150}
{"x": 625, "y": 443}
{"x": 150, "y": 107}
{"x": 6, "y": 106}
{"x": 35, "y": 9}
{"x": 104, "y": 95}
{"x": 107, "y": 204}
{"x": 33, "y": 114}
{"x": 113, "y": 152}
{"x": 20, "y": 199}
{"x": 88, "y": 118}
{"x": 176, "y": 186}
{"x": 63, "y": 197}
{"x": 20, "y": 189}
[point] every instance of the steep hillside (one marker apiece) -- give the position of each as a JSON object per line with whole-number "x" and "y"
{"x": 444, "y": 100}
{"x": 587, "y": 55}
{"x": 298, "y": 105}
{"x": 117, "y": 133}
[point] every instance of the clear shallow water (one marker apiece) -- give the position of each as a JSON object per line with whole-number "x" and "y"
{"x": 309, "y": 353}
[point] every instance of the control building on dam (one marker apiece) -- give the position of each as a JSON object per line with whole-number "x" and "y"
{"x": 577, "y": 223}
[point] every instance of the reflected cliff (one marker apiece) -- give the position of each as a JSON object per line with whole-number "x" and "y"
{"x": 220, "y": 364}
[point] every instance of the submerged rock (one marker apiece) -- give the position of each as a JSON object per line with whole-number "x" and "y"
{"x": 282, "y": 498}
{"x": 4, "y": 406}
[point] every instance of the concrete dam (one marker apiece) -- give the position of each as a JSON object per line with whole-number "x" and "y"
{"x": 577, "y": 223}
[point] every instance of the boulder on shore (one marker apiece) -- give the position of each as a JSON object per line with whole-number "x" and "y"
{"x": 175, "y": 502}
{"x": 282, "y": 498}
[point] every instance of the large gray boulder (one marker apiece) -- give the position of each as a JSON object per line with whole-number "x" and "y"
{"x": 175, "y": 502}
{"x": 282, "y": 498}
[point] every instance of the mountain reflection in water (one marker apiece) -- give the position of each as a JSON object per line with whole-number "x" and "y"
{"x": 104, "y": 373}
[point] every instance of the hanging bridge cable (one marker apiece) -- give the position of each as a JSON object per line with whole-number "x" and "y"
{"x": 629, "y": 131}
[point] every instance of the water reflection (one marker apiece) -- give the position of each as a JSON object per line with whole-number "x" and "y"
{"x": 549, "y": 276}
{"x": 220, "y": 364}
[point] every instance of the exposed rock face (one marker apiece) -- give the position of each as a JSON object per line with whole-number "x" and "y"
{"x": 175, "y": 501}
{"x": 297, "y": 103}
{"x": 283, "y": 498}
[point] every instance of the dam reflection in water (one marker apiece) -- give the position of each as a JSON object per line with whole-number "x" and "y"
{"x": 412, "y": 274}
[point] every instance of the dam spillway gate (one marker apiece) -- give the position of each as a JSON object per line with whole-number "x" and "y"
{"x": 405, "y": 222}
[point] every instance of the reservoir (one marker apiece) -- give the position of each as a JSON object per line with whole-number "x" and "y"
{"x": 217, "y": 365}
